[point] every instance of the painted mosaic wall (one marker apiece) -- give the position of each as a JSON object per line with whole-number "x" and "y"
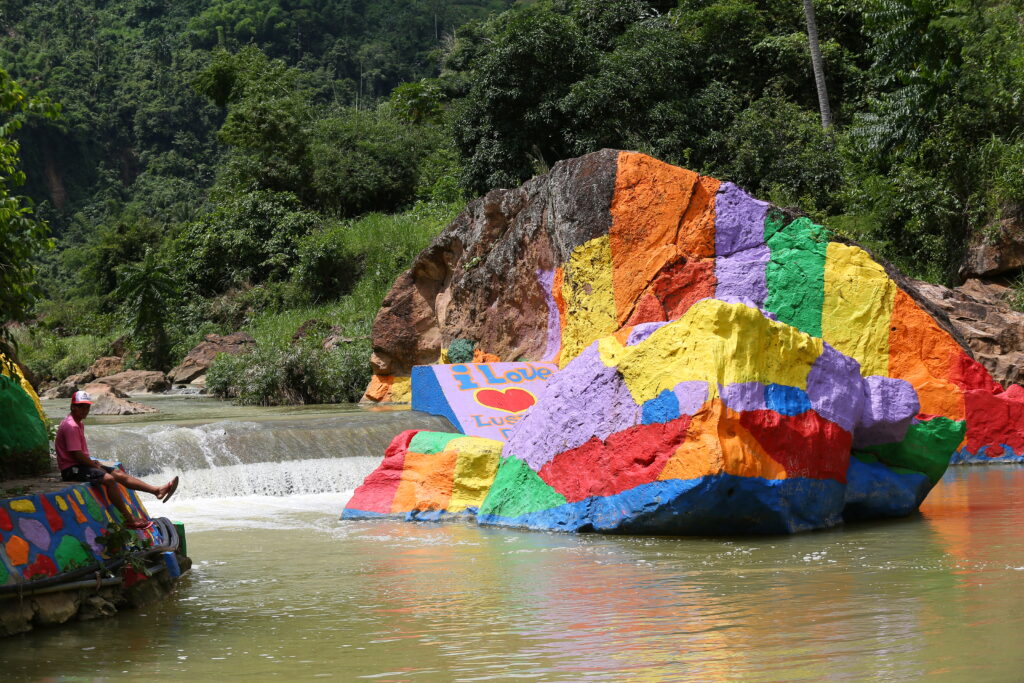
{"x": 47, "y": 534}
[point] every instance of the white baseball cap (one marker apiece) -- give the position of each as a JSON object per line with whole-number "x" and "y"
{"x": 81, "y": 397}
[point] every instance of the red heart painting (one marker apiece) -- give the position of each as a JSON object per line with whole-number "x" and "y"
{"x": 509, "y": 400}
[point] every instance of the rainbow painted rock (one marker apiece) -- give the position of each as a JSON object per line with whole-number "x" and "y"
{"x": 615, "y": 239}
{"x": 723, "y": 421}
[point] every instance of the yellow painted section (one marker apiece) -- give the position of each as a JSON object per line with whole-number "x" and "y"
{"x": 717, "y": 443}
{"x": 61, "y": 504}
{"x": 589, "y": 298}
{"x": 718, "y": 343}
{"x": 401, "y": 390}
{"x": 475, "y": 469}
{"x": 26, "y": 506}
{"x": 78, "y": 495}
{"x": 858, "y": 307}
{"x": 24, "y": 383}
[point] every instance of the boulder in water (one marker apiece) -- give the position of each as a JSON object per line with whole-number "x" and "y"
{"x": 107, "y": 400}
{"x": 137, "y": 381}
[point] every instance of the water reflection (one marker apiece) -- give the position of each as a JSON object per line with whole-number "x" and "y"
{"x": 284, "y": 590}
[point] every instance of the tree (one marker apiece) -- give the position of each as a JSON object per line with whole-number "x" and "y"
{"x": 22, "y": 236}
{"x": 818, "y": 65}
{"x": 146, "y": 289}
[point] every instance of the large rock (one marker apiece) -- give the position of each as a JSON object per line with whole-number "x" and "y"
{"x": 723, "y": 421}
{"x": 993, "y": 331}
{"x": 616, "y": 244}
{"x": 69, "y": 385}
{"x": 995, "y": 252}
{"x": 107, "y": 365}
{"x": 137, "y": 381}
{"x": 198, "y": 360}
{"x": 106, "y": 400}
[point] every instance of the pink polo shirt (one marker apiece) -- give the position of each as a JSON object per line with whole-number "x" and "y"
{"x": 70, "y": 437}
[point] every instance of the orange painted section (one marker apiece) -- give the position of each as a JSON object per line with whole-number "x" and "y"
{"x": 556, "y": 291}
{"x": 716, "y": 442}
{"x": 650, "y": 200}
{"x": 380, "y": 387}
{"x": 922, "y": 353}
{"x": 622, "y": 334}
{"x": 479, "y": 356}
{"x": 79, "y": 517}
{"x": 683, "y": 285}
{"x": 17, "y": 551}
{"x": 697, "y": 232}
{"x": 426, "y": 481}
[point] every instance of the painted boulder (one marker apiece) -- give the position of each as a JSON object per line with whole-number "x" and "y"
{"x": 723, "y": 421}
{"x": 616, "y": 239}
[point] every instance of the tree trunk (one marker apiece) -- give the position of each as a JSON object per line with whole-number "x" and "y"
{"x": 817, "y": 65}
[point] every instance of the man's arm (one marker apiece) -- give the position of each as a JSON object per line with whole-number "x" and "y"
{"x": 83, "y": 459}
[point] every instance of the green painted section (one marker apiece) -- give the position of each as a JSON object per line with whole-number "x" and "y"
{"x": 518, "y": 490}
{"x": 24, "y": 445}
{"x": 773, "y": 222}
{"x": 926, "y": 448}
{"x": 92, "y": 506}
{"x": 431, "y": 442}
{"x": 4, "y": 573}
{"x": 796, "y": 274}
{"x": 71, "y": 553}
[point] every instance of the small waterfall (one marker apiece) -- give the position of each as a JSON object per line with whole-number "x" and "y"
{"x": 273, "y": 456}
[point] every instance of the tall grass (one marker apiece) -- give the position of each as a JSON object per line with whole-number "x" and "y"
{"x": 345, "y": 270}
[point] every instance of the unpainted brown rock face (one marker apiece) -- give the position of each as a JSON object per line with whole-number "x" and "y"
{"x": 995, "y": 253}
{"x": 993, "y": 331}
{"x": 137, "y": 381}
{"x": 479, "y": 279}
{"x": 106, "y": 400}
{"x": 198, "y": 360}
{"x": 107, "y": 365}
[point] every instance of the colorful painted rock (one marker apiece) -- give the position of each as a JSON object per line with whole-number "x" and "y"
{"x": 723, "y": 421}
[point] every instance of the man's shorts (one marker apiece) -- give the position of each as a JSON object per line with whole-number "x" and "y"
{"x": 93, "y": 475}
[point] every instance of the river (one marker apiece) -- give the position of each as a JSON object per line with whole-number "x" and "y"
{"x": 282, "y": 589}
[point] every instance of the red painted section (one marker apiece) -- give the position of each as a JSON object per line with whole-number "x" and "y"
{"x": 52, "y": 518}
{"x": 648, "y": 310}
{"x": 623, "y": 461}
{"x": 43, "y": 566}
{"x": 807, "y": 445}
{"x": 969, "y": 374}
{"x": 995, "y": 419}
{"x": 509, "y": 400}
{"x": 5, "y": 520}
{"x": 684, "y": 284}
{"x": 378, "y": 490}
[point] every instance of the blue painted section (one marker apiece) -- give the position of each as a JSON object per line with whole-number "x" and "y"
{"x": 662, "y": 408}
{"x": 786, "y": 400}
{"x": 874, "y": 491}
{"x": 412, "y": 516}
{"x": 965, "y": 457}
{"x": 428, "y": 397}
{"x": 709, "y": 505}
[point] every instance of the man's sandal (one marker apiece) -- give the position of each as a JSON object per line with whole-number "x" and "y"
{"x": 174, "y": 487}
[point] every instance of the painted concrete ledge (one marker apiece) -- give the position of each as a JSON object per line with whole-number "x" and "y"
{"x": 55, "y": 568}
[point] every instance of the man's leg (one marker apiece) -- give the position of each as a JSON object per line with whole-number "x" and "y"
{"x": 114, "y": 493}
{"x": 130, "y": 482}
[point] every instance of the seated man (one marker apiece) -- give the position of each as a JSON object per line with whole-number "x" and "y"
{"x": 76, "y": 464}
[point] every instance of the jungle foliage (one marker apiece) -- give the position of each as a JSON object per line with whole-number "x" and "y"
{"x": 274, "y": 159}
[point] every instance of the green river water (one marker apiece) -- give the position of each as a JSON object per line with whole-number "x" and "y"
{"x": 281, "y": 589}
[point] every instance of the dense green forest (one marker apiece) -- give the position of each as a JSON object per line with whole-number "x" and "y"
{"x": 256, "y": 164}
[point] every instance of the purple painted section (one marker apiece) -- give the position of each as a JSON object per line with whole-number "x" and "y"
{"x": 743, "y": 396}
{"x": 835, "y": 389}
{"x": 691, "y": 396}
{"x": 743, "y": 274}
{"x": 34, "y": 531}
{"x": 586, "y": 399}
{"x": 554, "y": 344}
{"x": 739, "y": 220}
{"x": 90, "y": 538}
{"x": 889, "y": 409}
{"x": 643, "y": 331}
